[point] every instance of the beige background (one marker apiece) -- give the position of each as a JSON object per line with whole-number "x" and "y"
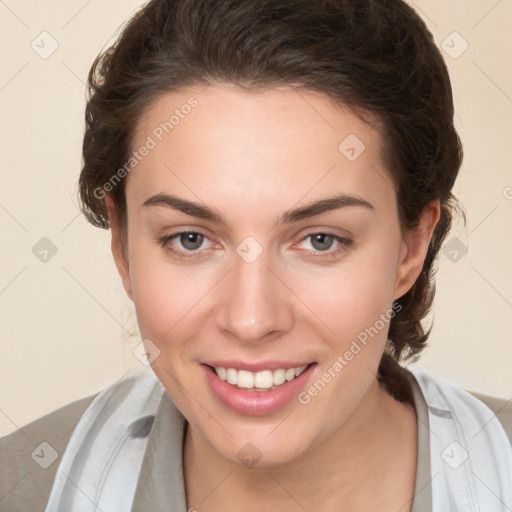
{"x": 67, "y": 328}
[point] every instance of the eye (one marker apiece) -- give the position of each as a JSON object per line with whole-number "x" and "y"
{"x": 322, "y": 243}
{"x": 185, "y": 244}
{"x": 189, "y": 244}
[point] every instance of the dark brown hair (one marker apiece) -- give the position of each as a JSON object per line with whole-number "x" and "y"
{"x": 376, "y": 56}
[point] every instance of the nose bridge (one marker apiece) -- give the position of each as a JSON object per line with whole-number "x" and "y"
{"x": 255, "y": 302}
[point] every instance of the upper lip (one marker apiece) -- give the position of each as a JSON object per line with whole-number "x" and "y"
{"x": 256, "y": 367}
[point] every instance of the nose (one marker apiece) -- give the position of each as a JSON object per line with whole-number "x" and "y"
{"x": 255, "y": 303}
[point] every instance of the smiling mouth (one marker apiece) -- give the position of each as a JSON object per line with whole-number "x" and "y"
{"x": 265, "y": 380}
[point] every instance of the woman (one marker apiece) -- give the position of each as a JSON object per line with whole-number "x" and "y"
{"x": 277, "y": 177}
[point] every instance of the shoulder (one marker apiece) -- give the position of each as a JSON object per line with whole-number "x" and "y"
{"x": 441, "y": 394}
{"x": 29, "y": 457}
{"x": 501, "y": 407}
{"x": 470, "y": 445}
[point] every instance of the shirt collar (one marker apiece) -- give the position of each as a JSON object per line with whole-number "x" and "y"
{"x": 422, "y": 501}
{"x": 161, "y": 486}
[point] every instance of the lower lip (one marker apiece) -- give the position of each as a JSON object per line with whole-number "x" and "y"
{"x": 256, "y": 403}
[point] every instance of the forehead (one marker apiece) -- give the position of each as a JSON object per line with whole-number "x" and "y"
{"x": 282, "y": 143}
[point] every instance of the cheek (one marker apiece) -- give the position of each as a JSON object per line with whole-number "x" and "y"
{"x": 352, "y": 297}
{"x": 164, "y": 294}
{"x": 166, "y": 310}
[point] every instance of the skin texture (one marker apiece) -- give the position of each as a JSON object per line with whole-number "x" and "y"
{"x": 251, "y": 157}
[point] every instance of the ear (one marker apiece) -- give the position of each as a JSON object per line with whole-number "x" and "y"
{"x": 117, "y": 247}
{"x": 414, "y": 250}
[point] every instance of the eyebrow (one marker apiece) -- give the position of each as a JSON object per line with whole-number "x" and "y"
{"x": 293, "y": 215}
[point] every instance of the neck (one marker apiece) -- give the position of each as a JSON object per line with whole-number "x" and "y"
{"x": 368, "y": 464}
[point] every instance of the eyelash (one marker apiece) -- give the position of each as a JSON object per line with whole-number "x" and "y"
{"x": 345, "y": 243}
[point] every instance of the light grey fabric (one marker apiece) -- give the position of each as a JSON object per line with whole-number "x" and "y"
{"x": 161, "y": 488}
{"x": 422, "y": 501}
{"x": 501, "y": 407}
{"x": 25, "y": 486}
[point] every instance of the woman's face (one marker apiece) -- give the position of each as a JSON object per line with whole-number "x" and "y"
{"x": 264, "y": 280}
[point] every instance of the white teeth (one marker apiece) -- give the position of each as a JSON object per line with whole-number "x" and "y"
{"x": 222, "y": 373}
{"x": 298, "y": 371}
{"x": 279, "y": 377}
{"x": 264, "y": 380}
{"x": 245, "y": 379}
{"x": 231, "y": 376}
